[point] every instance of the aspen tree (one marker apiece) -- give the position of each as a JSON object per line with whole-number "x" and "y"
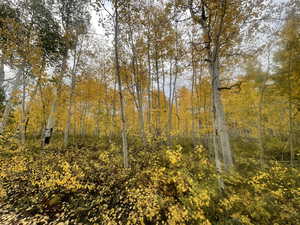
{"x": 119, "y": 81}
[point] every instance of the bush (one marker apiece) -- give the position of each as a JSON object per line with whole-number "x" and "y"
{"x": 163, "y": 186}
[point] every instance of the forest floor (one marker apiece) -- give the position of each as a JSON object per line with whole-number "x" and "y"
{"x": 86, "y": 184}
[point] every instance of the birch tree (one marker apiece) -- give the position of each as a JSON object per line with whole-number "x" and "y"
{"x": 117, "y": 5}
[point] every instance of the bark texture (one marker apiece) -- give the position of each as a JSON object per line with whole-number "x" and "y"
{"x": 9, "y": 103}
{"x": 118, "y": 76}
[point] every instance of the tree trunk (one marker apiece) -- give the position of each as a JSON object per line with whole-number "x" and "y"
{"x": 69, "y": 115}
{"x": 221, "y": 139}
{"x": 261, "y": 129}
{"x": 118, "y": 76}
{"x": 260, "y": 111}
{"x": 192, "y": 97}
{"x": 149, "y": 84}
{"x": 170, "y": 108}
{"x": 139, "y": 98}
{"x": 172, "y": 97}
{"x": 27, "y": 111}
{"x": 2, "y": 74}
{"x": 217, "y": 158}
{"x": 9, "y": 103}
{"x": 73, "y": 83}
{"x": 291, "y": 127}
{"x": 114, "y": 109}
{"x": 158, "y": 105}
{"x": 56, "y": 92}
{"x": 219, "y": 123}
{"x": 23, "y": 113}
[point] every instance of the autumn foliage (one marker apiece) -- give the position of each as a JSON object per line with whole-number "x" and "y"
{"x": 149, "y": 112}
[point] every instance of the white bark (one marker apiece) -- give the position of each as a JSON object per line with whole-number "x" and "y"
{"x": 69, "y": 115}
{"x": 213, "y": 52}
{"x": 173, "y": 89}
{"x": 193, "y": 62}
{"x": 23, "y": 116}
{"x": 73, "y": 83}
{"x": 149, "y": 84}
{"x": 9, "y": 103}
{"x": 51, "y": 118}
{"x": 2, "y": 74}
{"x": 291, "y": 120}
{"x": 56, "y": 94}
{"x": 219, "y": 122}
{"x": 118, "y": 76}
{"x": 260, "y": 112}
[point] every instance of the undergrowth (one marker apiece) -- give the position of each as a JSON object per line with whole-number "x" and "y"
{"x": 85, "y": 183}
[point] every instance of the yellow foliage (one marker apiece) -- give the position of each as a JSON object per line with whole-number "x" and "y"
{"x": 69, "y": 178}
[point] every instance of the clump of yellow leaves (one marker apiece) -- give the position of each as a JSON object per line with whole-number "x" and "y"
{"x": 258, "y": 197}
{"x": 174, "y": 156}
{"x": 2, "y": 192}
{"x": 67, "y": 176}
{"x": 12, "y": 166}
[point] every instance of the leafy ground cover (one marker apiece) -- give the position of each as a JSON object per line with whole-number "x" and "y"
{"x": 86, "y": 184}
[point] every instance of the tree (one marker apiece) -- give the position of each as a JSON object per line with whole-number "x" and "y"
{"x": 74, "y": 17}
{"x": 2, "y": 77}
{"x": 222, "y": 22}
{"x": 133, "y": 38}
{"x": 288, "y": 70}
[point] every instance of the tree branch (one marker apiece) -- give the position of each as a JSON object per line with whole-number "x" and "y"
{"x": 237, "y": 85}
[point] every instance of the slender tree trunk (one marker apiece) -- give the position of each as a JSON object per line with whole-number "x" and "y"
{"x": 149, "y": 84}
{"x": 2, "y": 74}
{"x": 260, "y": 112}
{"x": 56, "y": 95}
{"x": 177, "y": 111}
{"x": 173, "y": 90}
{"x": 23, "y": 113}
{"x": 138, "y": 85}
{"x": 170, "y": 108}
{"x": 44, "y": 123}
{"x": 27, "y": 111}
{"x": 291, "y": 127}
{"x": 140, "y": 95}
{"x": 51, "y": 119}
{"x": 163, "y": 85}
{"x": 193, "y": 96}
{"x": 158, "y": 92}
{"x": 114, "y": 108}
{"x": 261, "y": 129}
{"x": 118, "y": 76}
{"x": 9, "y": 103}
{"x": 97, "y": 129}
{"x": 139, "y": 98}
{"x": 69, "y": 115}
{"x": 198, "y": 95}
{"x": 82, "y": 119}
{"x": 71, "y": 96}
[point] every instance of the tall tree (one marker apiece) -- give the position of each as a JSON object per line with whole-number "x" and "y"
{"x": 288, "y": 70}
{"x": 221, "y": 22}
{"x": 73, "y": 16}
{"x": 117, "y": 5}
